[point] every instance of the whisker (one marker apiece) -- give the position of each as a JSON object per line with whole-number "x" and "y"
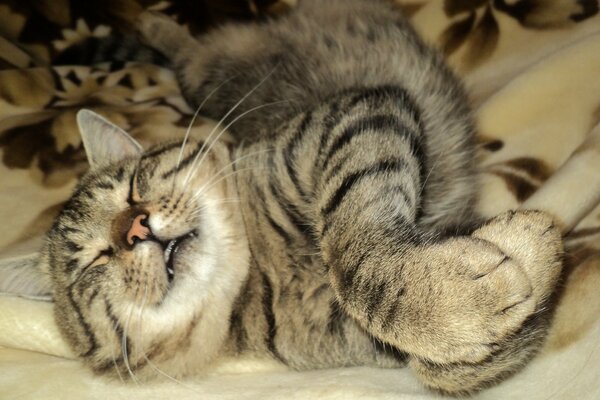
{"x": 124, "y": 346}
{"x": 163, "y": 373}
{"x": 439, "y": 157}
{"x": 145, "y": 356}
{"x": 210, "y": 185}
{"x": 189, "y": 129}
{"x": 235, "y": 106}
{"x": 200, "y": 208}
{"x": 220, "y": 171}
{"x": 114, "y": 360}
{"x": 232, "y": 163}
{"x": 214, "y": 141}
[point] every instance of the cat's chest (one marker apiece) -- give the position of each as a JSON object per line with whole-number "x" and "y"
{"x": 278, "y": 230}
{"x": 278, "y": 252}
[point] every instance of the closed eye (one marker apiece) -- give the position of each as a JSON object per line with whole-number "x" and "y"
{"x": 134, "y": 196}
{"x": 102, "y": 258}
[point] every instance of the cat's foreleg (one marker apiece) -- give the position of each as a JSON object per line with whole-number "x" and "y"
{"x": 457, "y": 304}
{"x": 532, "y": 242}
{"x": 466, "y": 308}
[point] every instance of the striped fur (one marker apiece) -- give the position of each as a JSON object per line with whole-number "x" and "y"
{"x": 319, "y": 240}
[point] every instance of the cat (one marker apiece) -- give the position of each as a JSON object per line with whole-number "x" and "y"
{"x": 339, "y": 230}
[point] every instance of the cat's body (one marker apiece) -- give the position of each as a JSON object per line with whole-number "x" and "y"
{"x": 319, "y": 240}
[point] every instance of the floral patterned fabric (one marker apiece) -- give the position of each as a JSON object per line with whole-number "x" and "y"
{"x": 532, "y": 68}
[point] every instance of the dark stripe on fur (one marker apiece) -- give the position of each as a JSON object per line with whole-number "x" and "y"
{"x": 160, "y": 150}
{"x": 389, "y": 320}
{"x": 92, "y": 297}
{"x": 277, "y": 228}
{"x": 237, "y": 330}
{"x": 72, "y": 264}
{"x": 116, "y": 326}
{"x": 332, "y": 119}
{"x": 389, "y": 92}
{"x": 350, "y": 181}
{"x": 374, "y": 296}
{"x": 335, "y": 321}
{"x": 372, "y": 125}
{"x": 72, "y": 246}
{"x": 347, "y": 275}
{"x": 270, "y": 317}
{"x": 87, "y": 329}
{"x": 288, "y": 154}
{"x": 120, "y": 174}
{"x": 184, "y": 162}
{"x": 294, "y": 216}
{"x": 130, "y": 193}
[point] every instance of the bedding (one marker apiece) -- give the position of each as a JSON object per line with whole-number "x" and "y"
{"x": 532, "y": 68}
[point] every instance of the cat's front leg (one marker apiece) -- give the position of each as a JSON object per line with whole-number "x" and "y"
{"x": 480, "y": 288}
{"x": 534, "y": 246}
{"x": 460, "y": 302}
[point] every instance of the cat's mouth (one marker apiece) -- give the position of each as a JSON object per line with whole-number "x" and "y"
{"x": 171, "y": 250}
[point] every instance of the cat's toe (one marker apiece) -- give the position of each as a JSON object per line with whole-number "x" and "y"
{"x": 533, "y": 240}
{"x": 484, "y": 297}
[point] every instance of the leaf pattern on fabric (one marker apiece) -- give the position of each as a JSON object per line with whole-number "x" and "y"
{"x": 522, "y": 176}
{"x": 548, "y": 14}
{"x": 456, "y": 34}
{"x": 474, "y": 22}
{"x": 453, "y": 7}
{"x": 483, "y": 40}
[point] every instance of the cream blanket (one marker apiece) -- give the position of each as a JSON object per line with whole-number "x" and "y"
{"x": 533, "y": 69}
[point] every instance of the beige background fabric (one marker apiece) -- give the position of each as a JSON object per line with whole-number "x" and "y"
{"x": 534, "y": 79}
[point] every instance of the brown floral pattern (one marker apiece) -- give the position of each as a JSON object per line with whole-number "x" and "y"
{"x": 41, "y": 100}
{"x": 476, "y": 26}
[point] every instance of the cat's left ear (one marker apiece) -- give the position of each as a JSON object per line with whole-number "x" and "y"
{"x": 104, "y": 142}
{"x": 25, "y": 276}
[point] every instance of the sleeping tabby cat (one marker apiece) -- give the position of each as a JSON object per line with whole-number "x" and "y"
{"x": 328, "y": 236}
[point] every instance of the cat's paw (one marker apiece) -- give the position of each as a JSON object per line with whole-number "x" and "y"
{"x": 161, "y": 32}
{"x": 489, "y": 283}
{"x": 534, "y": 241}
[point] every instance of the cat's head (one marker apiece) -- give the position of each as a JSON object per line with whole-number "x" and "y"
{"x": 148, "y": 255}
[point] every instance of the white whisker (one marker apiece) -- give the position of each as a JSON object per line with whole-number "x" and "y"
{"x": 145, "y": 356}
{"x": 225, "y": 130}
{"x": 200, "y": 209}
{"x": 114, "y": 360}
{"x": 439, "y": 157}
{"x": 235, "y": 106}
{"x": 196, "y": 113}
{"x": 232, "y": 163}
{"x": 124, "y": 345}
{"x": 189, "y": 128}
{"x": 210, "y": 185}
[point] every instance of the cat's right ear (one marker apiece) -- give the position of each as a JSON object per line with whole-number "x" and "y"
{"x": 25, "y": 276}
{"x": 104, "y": 142}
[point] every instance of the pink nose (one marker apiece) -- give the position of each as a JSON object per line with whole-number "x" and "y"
{"x": 139, "y": 229}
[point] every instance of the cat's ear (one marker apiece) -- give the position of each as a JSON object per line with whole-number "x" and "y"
{"x": 104, "y": 142}
{"x": 25, "y": 276}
